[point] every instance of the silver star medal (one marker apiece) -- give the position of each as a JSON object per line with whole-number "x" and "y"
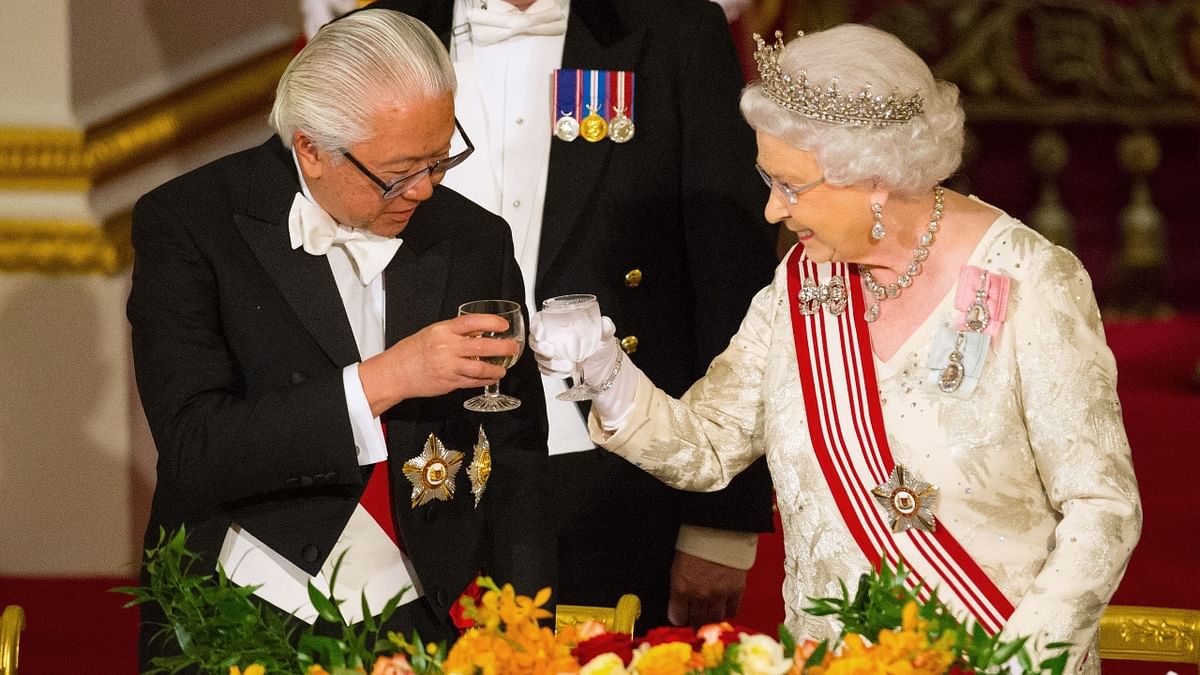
{"x": 432, "y": 472}
{"x": 481, "y": 466}
{"x": 907, "y": 501}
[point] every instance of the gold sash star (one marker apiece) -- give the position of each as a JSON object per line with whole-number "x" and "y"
{"x": 908, "y": 501}
{"x": 432, "y": 472}
{"x": 481, "y": 466}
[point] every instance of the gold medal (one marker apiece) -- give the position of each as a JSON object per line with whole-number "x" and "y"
{"x": 593, "y": 127}
{"x": 566, "y": 128}
{"x": 432, "y": 472}
{"x": 481, "y": 466}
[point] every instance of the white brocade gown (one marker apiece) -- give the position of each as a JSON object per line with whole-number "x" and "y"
{"x": 1033, "y": 467}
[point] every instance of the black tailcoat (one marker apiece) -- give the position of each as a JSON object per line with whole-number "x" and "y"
{"x": 239, "y": 342}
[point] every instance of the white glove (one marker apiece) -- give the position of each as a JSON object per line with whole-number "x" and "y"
{"x": 557, "y": 351}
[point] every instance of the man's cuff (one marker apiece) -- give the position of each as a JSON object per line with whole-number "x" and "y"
{"x": 369, "y": 443}
{"x": 730, "y": 548}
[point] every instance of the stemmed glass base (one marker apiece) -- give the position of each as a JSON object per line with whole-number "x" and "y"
{"x": 580, "y": 392}
{"x": 489, "y": 404}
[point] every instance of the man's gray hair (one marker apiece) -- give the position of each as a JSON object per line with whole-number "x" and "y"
{"x": 352, "y": 68}
{"x": 907, "y": 158}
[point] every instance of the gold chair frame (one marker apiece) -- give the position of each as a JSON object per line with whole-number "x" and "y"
{"x": 619, "y": 619}
{"x": 1135, "y": 633}
{"x": 12, "y": 622}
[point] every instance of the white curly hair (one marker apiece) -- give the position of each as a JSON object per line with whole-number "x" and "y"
{"x": 908, "y": 158}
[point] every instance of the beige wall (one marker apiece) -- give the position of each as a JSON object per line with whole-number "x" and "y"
{"x": 35, "y": 61}
{"x": 163, "y": 44}
{"x": 76, "y": 463}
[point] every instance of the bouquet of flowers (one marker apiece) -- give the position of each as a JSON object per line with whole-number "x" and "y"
{"x": 222, "y": 628}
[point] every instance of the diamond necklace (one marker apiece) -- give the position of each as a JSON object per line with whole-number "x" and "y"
{"x": 920, "y": 253}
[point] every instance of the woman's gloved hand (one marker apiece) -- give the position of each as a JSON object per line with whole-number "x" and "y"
{"x": 604, "y": 365}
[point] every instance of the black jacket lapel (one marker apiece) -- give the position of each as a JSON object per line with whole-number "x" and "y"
{"x": 415, "y": 288}
{"x": 305, "y": 280}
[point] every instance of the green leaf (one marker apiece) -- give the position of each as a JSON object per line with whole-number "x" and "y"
{"x": 1005, "y": 652}
{"x": 818, "y": 654}
{"x": 787, "y": 641}
{"x": 368, "y": 620}
{"x": 325, "y": 606}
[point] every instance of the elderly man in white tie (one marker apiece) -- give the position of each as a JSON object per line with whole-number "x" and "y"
{"x": 608, "y": 137}
{"x": 300, "y": 359}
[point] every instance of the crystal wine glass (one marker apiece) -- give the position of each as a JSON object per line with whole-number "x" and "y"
{"x": 491, "y": 400}
{"x": 577, "y": 318}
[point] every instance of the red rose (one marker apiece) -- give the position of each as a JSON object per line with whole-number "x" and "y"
{"x": 734, "y": 635}
{"x": 665, "y": 634}
{"x": 617, "y": 643}
{"x": 458, "y": 610}
{"x": 958, "y": 669}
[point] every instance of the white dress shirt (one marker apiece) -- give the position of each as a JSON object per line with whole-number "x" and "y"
{"x": 372, "y": 566}
{"x": 503, "y": 102}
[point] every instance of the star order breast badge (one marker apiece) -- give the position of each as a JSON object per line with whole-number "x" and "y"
{"x": 907, "y": 501}
{"x": 432, "y": 472}
{"x": 480, "y": 468}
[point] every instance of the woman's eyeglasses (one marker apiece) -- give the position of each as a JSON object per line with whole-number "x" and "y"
{"x": 790, "y": 192}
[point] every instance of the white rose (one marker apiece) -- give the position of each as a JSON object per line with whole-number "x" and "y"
{"x": 760, "y": 655}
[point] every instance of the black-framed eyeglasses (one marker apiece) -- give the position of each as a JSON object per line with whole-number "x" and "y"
{"x": 402, "y": 185}
{"x": 790, "y": 192}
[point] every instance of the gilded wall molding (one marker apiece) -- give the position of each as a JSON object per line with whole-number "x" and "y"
{"x": 70, "y": 160}
{"x": 1059, "y": 61}
{"x": 66, "y": 247}
{"x": 75, "y": 161}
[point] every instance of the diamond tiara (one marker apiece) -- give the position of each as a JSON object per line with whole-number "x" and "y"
{"x": 829, "y": 104}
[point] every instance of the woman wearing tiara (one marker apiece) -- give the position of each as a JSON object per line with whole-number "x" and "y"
{"x": 927, "y": 377}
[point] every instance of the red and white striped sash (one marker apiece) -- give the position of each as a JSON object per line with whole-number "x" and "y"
{"x": 845, "y": 421}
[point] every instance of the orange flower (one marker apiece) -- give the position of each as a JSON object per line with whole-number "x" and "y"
{"x": 712, "y": 632}
{"x": 395, "y": 664}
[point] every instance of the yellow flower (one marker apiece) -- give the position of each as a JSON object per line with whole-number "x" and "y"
{"x": 316, "y": 670}
{"x": 256, "y": 669}
{"x": 908, "y": 617}
{"x": 605, "y": 664}
{"x": 671, "y": 658}
{"x": 713, "y": 653}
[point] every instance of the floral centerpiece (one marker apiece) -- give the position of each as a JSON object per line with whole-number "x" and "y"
{"x": 222, "y": 628}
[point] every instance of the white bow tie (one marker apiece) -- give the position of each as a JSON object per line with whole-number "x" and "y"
{"x": 490, "y": 27}
{"x": 314, "y": 229}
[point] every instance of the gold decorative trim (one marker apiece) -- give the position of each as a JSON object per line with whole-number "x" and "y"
{"x": 66, "y": 247}
{"x": 63, "y": 159}
{"x": 1150, "y": 634}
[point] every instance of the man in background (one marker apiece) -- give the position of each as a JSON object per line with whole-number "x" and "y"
{"x": 658, "y": 212}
